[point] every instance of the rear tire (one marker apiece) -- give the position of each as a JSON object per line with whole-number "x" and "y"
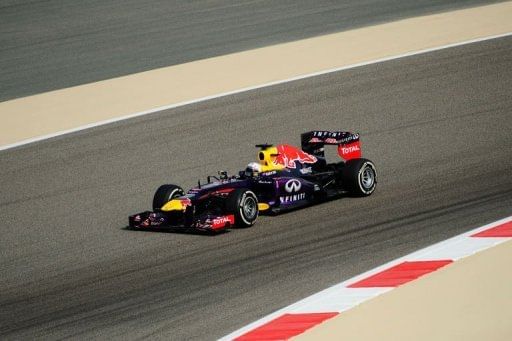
{"x": 164, "y": 194}
{"x": 243, "y": 204}
{"x": 359, "y": 177}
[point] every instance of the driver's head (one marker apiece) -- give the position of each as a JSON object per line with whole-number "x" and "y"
{"x": 253, "y": 169}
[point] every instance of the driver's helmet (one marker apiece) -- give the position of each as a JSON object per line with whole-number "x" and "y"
{"x": 253, "y": 169}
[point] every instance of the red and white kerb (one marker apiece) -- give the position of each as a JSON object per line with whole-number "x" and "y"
{"x": 313, "y": 310}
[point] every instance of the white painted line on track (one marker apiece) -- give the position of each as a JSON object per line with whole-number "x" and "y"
{"x": 202, "y": 99}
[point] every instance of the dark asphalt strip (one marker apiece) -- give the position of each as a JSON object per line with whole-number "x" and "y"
{"x": 49, "y": 45}
{"x": 436, "y": 125}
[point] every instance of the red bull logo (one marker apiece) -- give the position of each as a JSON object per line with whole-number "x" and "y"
{"x": 287, "y": 155}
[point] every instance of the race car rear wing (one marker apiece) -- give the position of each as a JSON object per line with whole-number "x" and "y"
{"x": 349, "y": 145}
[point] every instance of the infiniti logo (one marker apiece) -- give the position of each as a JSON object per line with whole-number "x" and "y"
{"x": 292, "y": 185}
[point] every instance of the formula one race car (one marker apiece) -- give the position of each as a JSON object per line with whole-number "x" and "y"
{"x": 285, "y": 178}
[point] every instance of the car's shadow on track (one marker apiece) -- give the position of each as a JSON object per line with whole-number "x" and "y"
{"x": 177, "y": 231}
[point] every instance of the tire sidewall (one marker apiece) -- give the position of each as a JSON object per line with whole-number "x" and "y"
{"x": 177, "y": 192}
{"x": 245, "y": 197}
{"x": 236, "y": 206}
{"x": 352, "y": 173}
{"x": 364, "y": 166}
{"x": 164, "y": 194}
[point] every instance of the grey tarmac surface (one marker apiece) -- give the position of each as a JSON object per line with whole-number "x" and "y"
{"x": 48, "y": 45}
{"x": 436, "y": 125}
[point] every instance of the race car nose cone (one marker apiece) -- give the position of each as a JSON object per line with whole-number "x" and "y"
{"x": 174, "y": 205}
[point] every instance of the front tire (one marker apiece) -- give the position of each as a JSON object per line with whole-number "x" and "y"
{"x": 359, "y": 177}
{"x": 243, "y": 204}
{"x": 164, "y": 194}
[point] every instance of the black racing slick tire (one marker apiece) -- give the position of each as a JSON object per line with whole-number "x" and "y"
{"x": 164, "y": 194}
{"x": 243, "y": 204}
{"x": 359, "y": 177}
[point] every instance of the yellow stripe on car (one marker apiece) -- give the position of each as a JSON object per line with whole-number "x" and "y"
{"x": 263, "y": 206}
{"x": 174, "y": 205}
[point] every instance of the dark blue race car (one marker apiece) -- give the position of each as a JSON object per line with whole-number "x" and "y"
{"x": 284, "y": 178}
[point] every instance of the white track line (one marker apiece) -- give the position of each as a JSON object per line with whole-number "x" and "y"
{"x": 202, "y": 99}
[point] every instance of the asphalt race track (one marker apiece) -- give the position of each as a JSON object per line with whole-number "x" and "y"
{"x": 48, "y": 45}
{"x": 437, "y": 126}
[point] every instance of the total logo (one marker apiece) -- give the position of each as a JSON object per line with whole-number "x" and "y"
{"x": 346, "y": 150}
{"x": 222, "y": 221}
{"x": 292, "y": 186}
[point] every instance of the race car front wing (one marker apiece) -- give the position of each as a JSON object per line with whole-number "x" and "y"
{"x": 159, "y": 220}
